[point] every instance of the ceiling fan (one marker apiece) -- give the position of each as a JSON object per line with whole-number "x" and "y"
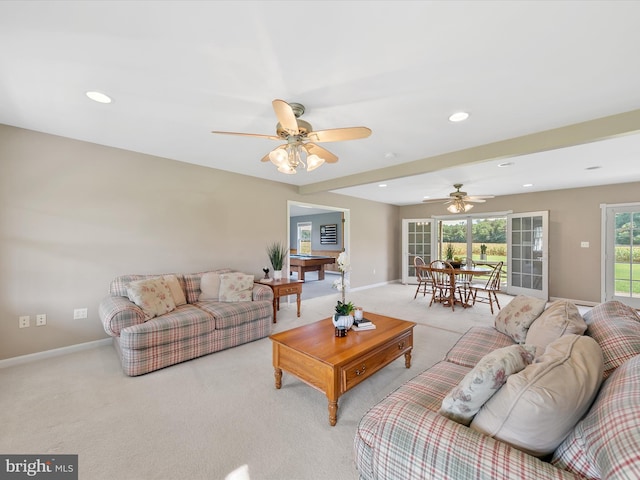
{"x": 301, "y": 139}
{"x": 459, "y": 202}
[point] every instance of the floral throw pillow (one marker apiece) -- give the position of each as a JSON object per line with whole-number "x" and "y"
{"x": 486, "y": 378}
{"x": 236, "y": 287}
{"x": 518, "y": 315}
{"x": 152, "y": 295}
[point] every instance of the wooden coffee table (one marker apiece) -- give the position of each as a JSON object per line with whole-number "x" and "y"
{"x": 333, "y": 364}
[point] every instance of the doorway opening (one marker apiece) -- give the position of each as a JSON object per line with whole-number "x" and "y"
{"x": 317, "y": 231}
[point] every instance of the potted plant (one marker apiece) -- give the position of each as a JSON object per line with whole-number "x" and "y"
{"x": 483, "y": 252}
{"x": 343, "y": 318}
{"x": 453, "y": 261}
{"x": 276, "y": 252}
{"x": 449, "y": 252}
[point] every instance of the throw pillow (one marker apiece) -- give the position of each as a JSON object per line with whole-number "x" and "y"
{"x": 236, "y": 287}
{"x": 516, "y": 317}
{"x": 152, "y": 295}
{"x": 615, "y": 326}
{"x": 486, "y": 378}
{"x": 606, "y": 442}
{"x": 537, "y": 407}
{"x": 561, "y": 318}
{"x": 176, "y": 290}
{"x": 209, "y": 287}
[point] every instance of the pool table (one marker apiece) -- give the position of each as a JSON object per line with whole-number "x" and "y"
{"x": 309, "y": 263}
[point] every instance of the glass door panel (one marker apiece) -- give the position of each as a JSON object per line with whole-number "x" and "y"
{"x": 622, "y": 259}
{"x": 527, "y": 235}
{"x": 416, "y": 241}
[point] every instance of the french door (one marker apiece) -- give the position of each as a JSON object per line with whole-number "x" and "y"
{"x": 621, "y": 235}
{"x": 417, "y": 235}
{"x": 527, "y": 254}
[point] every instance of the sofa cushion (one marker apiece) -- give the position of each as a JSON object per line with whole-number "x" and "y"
{"x": 561, "y": 318}
{"x": 209, "y": 287}
{"x": 152, "y": 295}
{"x": 516, "y": 317}
{"x": 616, "y": 328}
{"x": 185, "y": 322}
{"x": 606, "y": 443}
{"x": 475, "y": 344}
{"x": 236, "y": 287}
{"x": 537, "y": 408}
{"x": 477, "y": 386}
{"x": 176, "y": 289}
{"x": 233, "y": 314}
{"x": 192, "y": 284}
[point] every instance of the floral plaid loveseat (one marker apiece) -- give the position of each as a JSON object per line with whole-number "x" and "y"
{"x": 189, "y": 331}
{"x": 404, "y": 436}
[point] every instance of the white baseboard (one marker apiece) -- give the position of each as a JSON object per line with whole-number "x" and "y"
{"x": 32, "y": 357}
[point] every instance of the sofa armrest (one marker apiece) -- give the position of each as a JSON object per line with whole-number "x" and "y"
{"x": 262, "y": 292}
{"x": 117, "y": 313}
{"x": 414, "y": 442}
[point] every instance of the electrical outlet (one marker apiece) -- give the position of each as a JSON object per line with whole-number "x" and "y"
{"x": 24, "y": 321}
{"x": 41, "y": 319}
{"x": 79, "y": 313}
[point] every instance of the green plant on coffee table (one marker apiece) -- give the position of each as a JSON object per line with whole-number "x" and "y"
{"x": 276, "y": 252}
{"x": 344, "y": 309}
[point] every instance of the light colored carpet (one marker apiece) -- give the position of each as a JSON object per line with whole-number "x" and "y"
{"x": 206, "y": 417}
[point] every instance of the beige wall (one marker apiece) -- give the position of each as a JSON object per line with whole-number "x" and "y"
{"x": 574, "y": 216}
{"x": 73, "y": 215}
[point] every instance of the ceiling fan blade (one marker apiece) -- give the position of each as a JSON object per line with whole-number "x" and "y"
{"x": 339, "y": 134}
{"x": 313, "y": 149}
{"x": 270, "y": 137}
{"x": 286, "y": 117}
{"x": 436, "y": 200}
{"x": 474, "y": 200}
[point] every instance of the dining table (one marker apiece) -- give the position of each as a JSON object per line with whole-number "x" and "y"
{"x": 464, "y": 271}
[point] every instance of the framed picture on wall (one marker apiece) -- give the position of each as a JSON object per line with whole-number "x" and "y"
{"x": 329, "y": 234}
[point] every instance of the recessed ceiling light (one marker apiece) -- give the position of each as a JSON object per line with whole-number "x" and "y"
{"x": 526, "y": 185}
{"x": 382, "y": 185}
{"x": 505, "y": 164}
{"x": 459, "y": 117}
{"x": 426, "y": 196}
{"x": 99, "y": 97}
{"x": 593, "y": 168}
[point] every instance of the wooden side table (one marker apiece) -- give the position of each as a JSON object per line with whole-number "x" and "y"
{"x": 284, "y": 288}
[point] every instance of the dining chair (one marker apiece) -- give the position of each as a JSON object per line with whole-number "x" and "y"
{"x": 486, "y": 293}
{"x": 463, "y": 284}
{"x": 424, "y": 278}
{"x": 443, "y": 283}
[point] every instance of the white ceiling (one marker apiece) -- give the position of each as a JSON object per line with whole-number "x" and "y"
{"x": 177, "y": 70}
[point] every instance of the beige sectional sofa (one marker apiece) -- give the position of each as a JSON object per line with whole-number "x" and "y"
{"x": 565, "y": 405}
{"x": 160, "y": 320}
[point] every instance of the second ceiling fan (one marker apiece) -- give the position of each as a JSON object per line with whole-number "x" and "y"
{"x": 301, "y": 139}
{"x": 459, "y": 202}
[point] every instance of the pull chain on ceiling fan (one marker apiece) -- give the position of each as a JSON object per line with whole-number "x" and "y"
{"x": 459, "y": 202}
{"x": 301, "y": 140}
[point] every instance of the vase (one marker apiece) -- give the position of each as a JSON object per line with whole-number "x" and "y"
{"x": 277, "y": 274}
{"x": 343, "y": 321}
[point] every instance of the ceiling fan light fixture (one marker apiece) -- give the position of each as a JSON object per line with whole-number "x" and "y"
{"x": 459, "y": 206}
{"x": 287, "y": 169}
{"x": 313, "y": 162}
{"x": 278, "y": 157}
